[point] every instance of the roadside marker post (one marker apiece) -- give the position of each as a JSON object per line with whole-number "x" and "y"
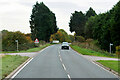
{"x": 110, "y": 47}
{"x": 17, "y": 44}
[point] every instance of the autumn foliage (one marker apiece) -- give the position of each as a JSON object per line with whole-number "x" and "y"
{"x": 9, "y": 44}
{"x": 61, "y": 35}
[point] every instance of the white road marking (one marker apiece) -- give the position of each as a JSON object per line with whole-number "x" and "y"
{"x": 64, "y": 67}
{"x": 21, "y": 68}
{"x": 69, "y": 76}
{"x": 27, "y": 63}
{"x": 60, "y": 59}
{"x": 59, "y": 55}
{"x": 104, "y": 68}
{"x": 93, "y": 62}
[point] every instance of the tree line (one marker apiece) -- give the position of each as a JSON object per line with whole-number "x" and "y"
{"x": 103, "y": 27}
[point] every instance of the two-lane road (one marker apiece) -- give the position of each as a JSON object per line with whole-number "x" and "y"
{"x": 56, "y": 63}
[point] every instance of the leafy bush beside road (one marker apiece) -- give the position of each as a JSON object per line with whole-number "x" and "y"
{"x": 35, "y": 49}
{"x": 9, "y": 44}
{"x": 79, "y": 38}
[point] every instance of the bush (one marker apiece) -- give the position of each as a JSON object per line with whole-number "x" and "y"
{"x": 118, "y": 50}
{"x": 79, "y": 38}
{"x": 9, "y": 44}
{"x": 72, "y": 38}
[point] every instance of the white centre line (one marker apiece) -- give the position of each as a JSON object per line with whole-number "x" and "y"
{"x": 60, "y": 59}
{"x": 59, "y": 55}
{"x": 69, "y": 76}
{"x": 64, "y": 67}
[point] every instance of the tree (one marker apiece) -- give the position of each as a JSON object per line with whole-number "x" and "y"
{"x": 61, "y": 35}
{"x": 90, "y": 20}
{"x": 77, "y": 23}
{"x": 105, "y": 28}
{"x": 42, "y": 22}
{"x": 90, "y": 13}
{"x": 115, "y": 29}
{"x": 72, "y": 38}
{"x": 89, "y": 27}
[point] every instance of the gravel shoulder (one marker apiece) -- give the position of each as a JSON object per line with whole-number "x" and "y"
{"x": 95, "y": 58}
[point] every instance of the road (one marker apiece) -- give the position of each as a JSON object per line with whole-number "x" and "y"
{"x": 56, "y": 63}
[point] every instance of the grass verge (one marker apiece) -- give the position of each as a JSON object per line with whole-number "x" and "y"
{"x": 114, "y": 65}
{"x": 29, "y": 50}
{"x": 10, "y": 63}
{"x": 91, "y": 52}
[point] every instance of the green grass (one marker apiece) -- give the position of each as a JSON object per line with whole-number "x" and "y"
{"x": 91, "y": 52}
{"x": 29, "y": 50}
{"x": 114, "y": 65}
{"x": 10, "y": 63}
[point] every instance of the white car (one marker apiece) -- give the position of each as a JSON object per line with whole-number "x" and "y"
{"x": 55, "y": 41}
{"x": 65, "y": 45}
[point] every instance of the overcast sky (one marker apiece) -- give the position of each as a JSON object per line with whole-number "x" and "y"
{"x": 15, "y": 14}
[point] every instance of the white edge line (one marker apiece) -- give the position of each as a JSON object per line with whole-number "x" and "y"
{"x": 95, "y": 63}
{"x": 27, "y": 63}
{"x": 104, "y": 69}
{"x": 21, "y": 69}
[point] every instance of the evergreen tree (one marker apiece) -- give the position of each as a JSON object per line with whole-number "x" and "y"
{"x": 42, "y": 22}
{"x": 90, "y": 13}
{"x": 77, "y": 22}
{"x": 115, "y": 29}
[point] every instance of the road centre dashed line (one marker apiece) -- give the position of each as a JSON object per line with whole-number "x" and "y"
{"x": 69, "y": 76}
{"x": 60, "y": 59}
{"x": 64, "y": 66}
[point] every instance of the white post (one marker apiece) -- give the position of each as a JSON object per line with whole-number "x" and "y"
{"x": 17, "y": 44}
{"x": 110, "y": 47}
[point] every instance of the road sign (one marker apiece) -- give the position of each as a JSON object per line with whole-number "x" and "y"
{"x": 16, "y": 40}
{"x": 36, "y": 41}
{"x": 111, "y": 44}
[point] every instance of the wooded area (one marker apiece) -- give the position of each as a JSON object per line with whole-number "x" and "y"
{"x": 103, "y": 27}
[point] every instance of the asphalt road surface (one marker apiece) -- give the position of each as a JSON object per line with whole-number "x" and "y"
{"x": 53, "y": 62}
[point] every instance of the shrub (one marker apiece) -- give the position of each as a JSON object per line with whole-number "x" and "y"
{"x": 79, "y": 38}
{"x": 118, "y": 50}
{"x": 9, "y": 44}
